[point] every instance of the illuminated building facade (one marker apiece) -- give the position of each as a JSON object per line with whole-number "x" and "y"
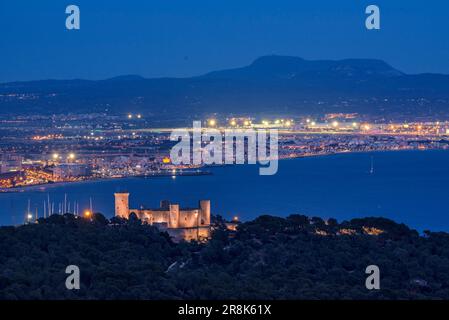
{"x": 186, "y": 223}
{"x": 10, "y": 163}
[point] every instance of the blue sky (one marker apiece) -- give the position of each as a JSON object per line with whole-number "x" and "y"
{"x": 182, "y": 38}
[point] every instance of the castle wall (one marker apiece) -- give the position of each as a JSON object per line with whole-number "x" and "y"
{"x": 188, "y": 218}
{"x": 188, "y": 234}
{"x": 175, "y": 217}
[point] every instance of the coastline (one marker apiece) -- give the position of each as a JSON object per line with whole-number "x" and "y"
{"x": 62, "y": 183}
{"x": 168, "y": 173}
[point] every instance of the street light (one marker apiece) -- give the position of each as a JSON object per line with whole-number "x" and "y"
{"x": 87, "y": 214}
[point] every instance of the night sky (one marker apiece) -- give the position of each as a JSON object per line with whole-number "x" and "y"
{"x": 158, "y": 38}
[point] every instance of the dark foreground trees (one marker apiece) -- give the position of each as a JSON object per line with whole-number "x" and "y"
{"x": 268, "y": 258}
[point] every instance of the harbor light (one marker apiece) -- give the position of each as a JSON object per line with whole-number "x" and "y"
{"x": 212, "y": 122}
{"x": 29, "y": 216}
{"x": 87, "y": 214}
{"x": 233, "y": 123}
{"x": 246, "y": 123}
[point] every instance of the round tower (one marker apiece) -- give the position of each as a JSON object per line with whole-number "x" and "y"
{"x": 122, "y": 204}
{"x": 205, "y": 212}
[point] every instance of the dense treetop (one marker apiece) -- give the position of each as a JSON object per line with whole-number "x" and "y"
{"x": 268, "y": 258}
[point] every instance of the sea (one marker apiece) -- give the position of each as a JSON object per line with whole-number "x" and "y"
{"x": 410, "y": 187}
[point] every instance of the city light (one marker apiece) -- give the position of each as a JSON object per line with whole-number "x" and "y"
{"x": 71, "y": 156}
{"x": 354, "y": 124}
{"x": 235, "y": 219}
{"x": 366, "y": 127}
{"x": 335, "y": 124}
{"x": 313, "y": 123}
{"x": 87, "y": 214}
{"x": 212, "y": 122}
{"x": 29, "y": 216}
{"x": 55, "y": 156}
{"x": 130, "y": 116}
{"x": 288, "y": 123}
{"x": 139, "y": 116}
{"x": 233, "y": 123}
{"x": 246, "y": 123}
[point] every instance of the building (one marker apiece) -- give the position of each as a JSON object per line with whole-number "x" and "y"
{"x": 180, "y": 223}
{"x": 71, "y": 170}
{"x": 10, "y": 163}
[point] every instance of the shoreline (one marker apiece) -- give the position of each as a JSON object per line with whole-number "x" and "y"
{"x": 200, "y": 173}
{"x": 61, "y": 183}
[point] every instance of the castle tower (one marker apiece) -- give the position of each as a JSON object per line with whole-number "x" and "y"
{"x": 205, "y": 212}
{"x": 174, "y": 216}
{"x": 122, "y": 204}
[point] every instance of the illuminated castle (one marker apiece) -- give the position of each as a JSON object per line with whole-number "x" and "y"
{"x": 187, "y": 224}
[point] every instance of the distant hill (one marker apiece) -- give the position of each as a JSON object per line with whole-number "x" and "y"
{"x": 278, "y": 85}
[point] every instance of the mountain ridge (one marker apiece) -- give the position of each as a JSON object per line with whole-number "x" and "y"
{"x": 269, "y": 85}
